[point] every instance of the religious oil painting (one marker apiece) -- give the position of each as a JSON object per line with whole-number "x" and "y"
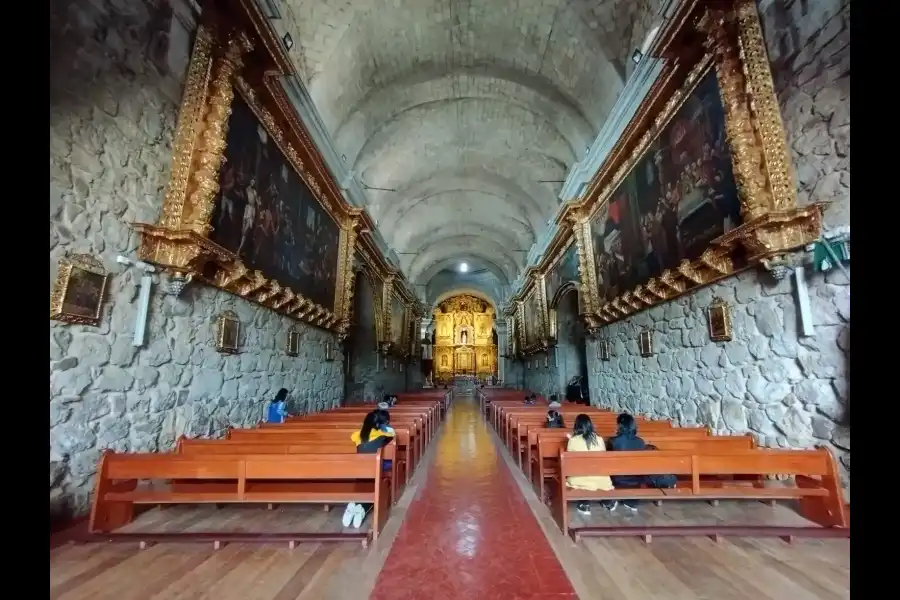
{"x": 397, "y": 319}
{"x": 228, "y": 332}
{"x": 564, "y": 271}
{"x": 678, "y": 198}
{"x": 532, "y": 320}
{"x": 267, "y": 215}
{"x": 77, "y": 295}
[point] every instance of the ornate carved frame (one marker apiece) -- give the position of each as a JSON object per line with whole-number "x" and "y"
{"x": 235, "y": 49}
{"x": 724, "y": 35}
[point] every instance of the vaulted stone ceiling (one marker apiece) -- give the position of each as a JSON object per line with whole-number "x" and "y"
{"x": 461, "y": 118}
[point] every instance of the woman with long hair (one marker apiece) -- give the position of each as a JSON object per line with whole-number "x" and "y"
{"x": 584, "y": 438}
{"x": 374, "y": 434}
{"x": 277, "y": 411}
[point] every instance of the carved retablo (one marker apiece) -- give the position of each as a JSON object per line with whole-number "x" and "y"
{"x": 464, "y": 338}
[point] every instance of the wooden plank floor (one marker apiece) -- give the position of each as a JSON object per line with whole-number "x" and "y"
{"x": 689, "y": 568}
{"x": 602, "y": 569}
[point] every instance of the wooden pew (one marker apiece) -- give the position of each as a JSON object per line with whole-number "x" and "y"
{"x": 414, "y": 426}
{"x": 529, "y": 437}
{"x": 817, "y": 487}
{"x": 325, "y": 433}
{"x": 245, "y": 479}
{"x": 515, "y": 421}
{"x": 204, "y": 447}
{"x": 544, "y": 467}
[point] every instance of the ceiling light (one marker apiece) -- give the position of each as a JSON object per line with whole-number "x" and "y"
{"x": 463, "y": 267}
{"x": 637, "y": 56}
{"x": 288, "y": 41}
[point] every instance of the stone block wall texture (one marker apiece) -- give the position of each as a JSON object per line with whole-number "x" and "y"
{"x": 113, "y": 105}
{"x": 371, "y": 376}
{"x": 787, "y": 389}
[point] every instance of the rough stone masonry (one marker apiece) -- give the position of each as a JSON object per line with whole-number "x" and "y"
{"x": 114, "y": 101}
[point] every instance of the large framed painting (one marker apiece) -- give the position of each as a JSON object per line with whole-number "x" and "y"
{"x": 532, "y": 324}
{"x": 267, "y": 215}
{"x": 564, "y": 271}
{"x": 680, "y": 196}
{"x": 397, "y": 321}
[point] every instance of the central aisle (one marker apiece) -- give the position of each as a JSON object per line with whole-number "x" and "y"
{"x": 470, "y": 534}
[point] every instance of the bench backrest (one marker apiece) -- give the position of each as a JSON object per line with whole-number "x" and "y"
{"x": 309, "y": 433}
{"x": 550, "y": 446}
{"x": 295, "y": 466}
{"x": 203, "y": 447}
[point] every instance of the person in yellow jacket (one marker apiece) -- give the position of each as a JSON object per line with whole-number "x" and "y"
{"x": 375, "y": 433}
{"x": 585, "y": 439}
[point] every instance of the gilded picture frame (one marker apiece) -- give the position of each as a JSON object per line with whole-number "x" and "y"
{"x": 604, "y": 352}
{"x": 645, "y": 343}
{"x": 292, "y": 347}
{"x": 719, "y": 315}
{"x": 79, "y": 291}
{"x": 228, "y": 333}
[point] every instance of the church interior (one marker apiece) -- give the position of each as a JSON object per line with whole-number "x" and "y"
{"x": 453, "y": 299}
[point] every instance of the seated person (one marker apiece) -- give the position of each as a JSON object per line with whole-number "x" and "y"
{"x": 374, "y": 435}
{"x": 554, "y": 420}
{"x": 627, "y": 440}
{"x": 530, "y": 399}
{"x": 585, "y": 439}
{"x": 277, "y": 411}
{"x": 554, "y": 401}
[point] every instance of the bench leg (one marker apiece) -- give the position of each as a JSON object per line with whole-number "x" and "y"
{"x": 327, "y": 508}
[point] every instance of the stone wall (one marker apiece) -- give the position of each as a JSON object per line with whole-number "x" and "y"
{"x": 371, "y": 375}
{"x": 539, "y": 379}
{"x": 788, "y": 389}
{"x": 115, "y": 82}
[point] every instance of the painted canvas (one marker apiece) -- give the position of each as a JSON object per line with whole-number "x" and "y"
{"x": 396, "y": 321}
{"x": 678, "y": 198}
{"x": 267, "y": 215}
{"x": 564, "y": 271}
{"x": 532, "y": 320}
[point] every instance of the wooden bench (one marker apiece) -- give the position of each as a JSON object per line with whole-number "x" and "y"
{"x": 205, "y": 447}
{"x": 544, "y": 466}
{"x": 416, "y": 424}
{"x": 817, "y": 488}
{"x": 406, "y": 455}
{"x": 515, "y": 421}
{"x": 529, "y": 436}
{"x": 214, "y": 479}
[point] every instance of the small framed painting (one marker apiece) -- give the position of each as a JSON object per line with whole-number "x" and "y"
{"x": 228, "y": 332}
{"x": 78, "y": 292}
{"x": 329, "y": 351}
{"x": 293, "y": 342}
{"x": 719, "y": 314}
{"x": 604, "y": 352}
{"x": 645, "y": 343}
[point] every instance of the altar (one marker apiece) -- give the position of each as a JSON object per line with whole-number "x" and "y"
{"x": 465, "y": 340}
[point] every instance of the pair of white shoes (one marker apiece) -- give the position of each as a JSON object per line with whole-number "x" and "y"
{"x": 353, "y": 515}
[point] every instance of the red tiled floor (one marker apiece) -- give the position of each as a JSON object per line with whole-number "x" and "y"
{"x": 470, "y": 534}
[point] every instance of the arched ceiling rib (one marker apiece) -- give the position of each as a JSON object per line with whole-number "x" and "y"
{"x": 467, "y": 114}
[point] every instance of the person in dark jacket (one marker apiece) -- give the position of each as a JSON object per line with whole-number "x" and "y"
{"x": 627, "y": 440}
{"x": 374, "y": 434}
{"x": 554, "y": 420}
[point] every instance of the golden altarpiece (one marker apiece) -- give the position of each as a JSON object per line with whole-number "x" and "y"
{"x": 464, "y": 338}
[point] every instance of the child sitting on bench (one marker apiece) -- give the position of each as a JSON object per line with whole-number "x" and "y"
{"x": 374, "y": 435}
